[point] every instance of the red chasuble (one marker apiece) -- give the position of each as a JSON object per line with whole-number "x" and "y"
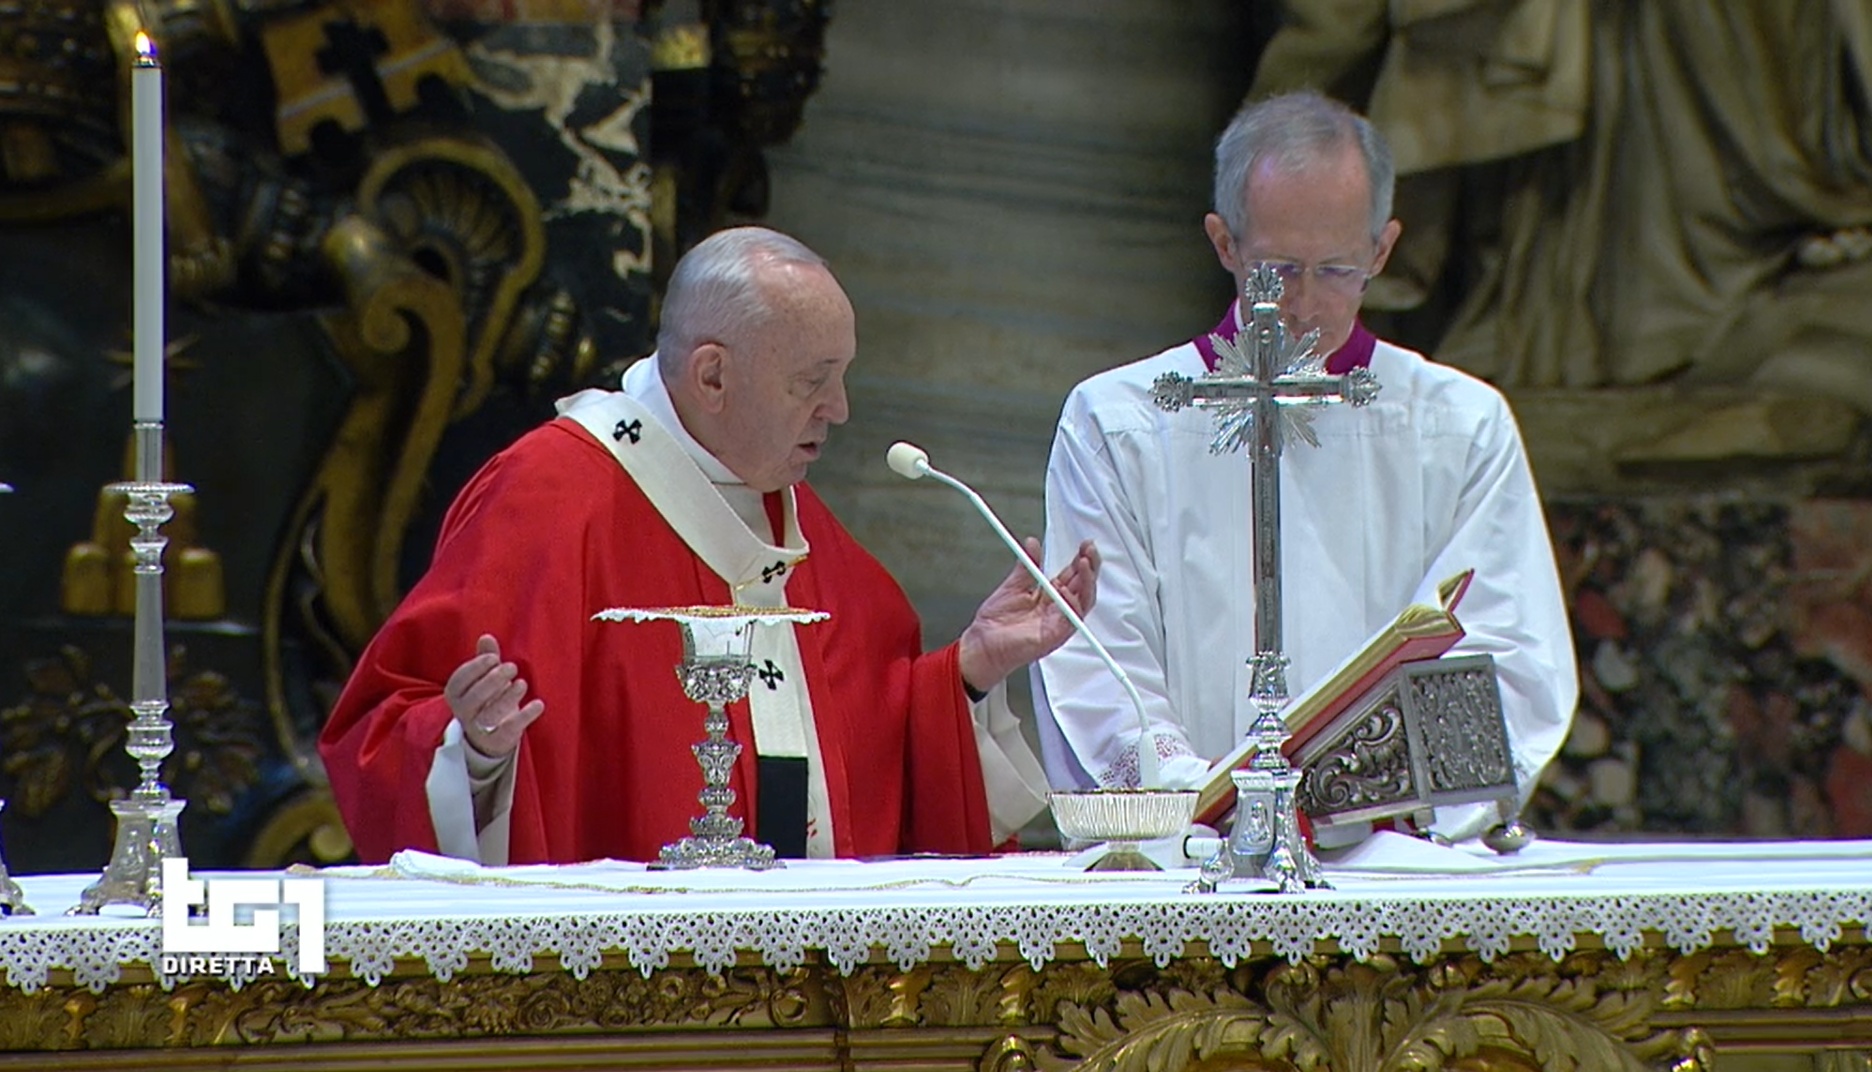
{"x": 549, "y": 532}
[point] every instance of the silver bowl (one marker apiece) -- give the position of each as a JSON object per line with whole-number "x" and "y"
{"x": 1123, "y": 818}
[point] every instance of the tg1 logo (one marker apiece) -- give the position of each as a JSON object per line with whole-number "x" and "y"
{"x": 228, "y": 945}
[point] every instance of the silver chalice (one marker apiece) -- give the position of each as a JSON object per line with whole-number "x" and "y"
{"x": 715, "y": 670}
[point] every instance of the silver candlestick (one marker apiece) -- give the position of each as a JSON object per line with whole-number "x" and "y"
{"x": 716, "y": 668}
{"x": 146, "y": 820}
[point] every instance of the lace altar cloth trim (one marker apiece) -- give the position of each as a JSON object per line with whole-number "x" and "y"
{"x": 905, "y": 909}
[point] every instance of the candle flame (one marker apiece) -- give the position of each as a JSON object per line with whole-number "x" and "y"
{"x": 145, "y": 48}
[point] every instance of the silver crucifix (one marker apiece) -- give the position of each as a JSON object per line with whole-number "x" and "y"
{"x": 1262, "y": 390}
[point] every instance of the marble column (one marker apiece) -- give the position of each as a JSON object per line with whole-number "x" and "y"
{"x": 1012, "y": 193}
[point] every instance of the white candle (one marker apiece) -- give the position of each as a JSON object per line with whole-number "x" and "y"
{"x": 146, "y": 205}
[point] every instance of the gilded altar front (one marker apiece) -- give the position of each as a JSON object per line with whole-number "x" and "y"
{"x": 1590, "y": 1010}
{"x": 1695, "y": 958}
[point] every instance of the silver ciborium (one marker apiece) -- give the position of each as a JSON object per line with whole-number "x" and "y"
{"x": 715, "y": 670}
{"x": 1123, "y": 818}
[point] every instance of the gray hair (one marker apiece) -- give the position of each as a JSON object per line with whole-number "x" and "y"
{"x": 714, "y": 291}
{"x": 1296, "y": 129}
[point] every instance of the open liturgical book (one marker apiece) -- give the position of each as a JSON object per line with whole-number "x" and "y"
{"x": 1420, "y": 631}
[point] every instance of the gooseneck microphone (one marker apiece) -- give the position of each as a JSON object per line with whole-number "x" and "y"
{"x": 912, "y": 463}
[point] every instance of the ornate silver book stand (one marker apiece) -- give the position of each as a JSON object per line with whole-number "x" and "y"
{"x": 1429, "y": 734}
{"x": 715, "y": 671}
{"x": 1265, "y": 845}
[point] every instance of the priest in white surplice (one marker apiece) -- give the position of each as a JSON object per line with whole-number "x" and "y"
{"x": 492, "y": 719}
{"x": 1429, "y": 480}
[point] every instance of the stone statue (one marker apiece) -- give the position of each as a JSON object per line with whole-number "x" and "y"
{"x": 1616, "y": 195}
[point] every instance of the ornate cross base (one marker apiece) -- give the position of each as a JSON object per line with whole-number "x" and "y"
{"x": 1265, "y": 845}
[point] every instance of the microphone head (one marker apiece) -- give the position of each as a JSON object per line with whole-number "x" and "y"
{"x": 908, "y": 460}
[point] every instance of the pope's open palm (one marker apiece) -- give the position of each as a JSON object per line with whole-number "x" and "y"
{"x": 1017, "y": 623}
{"x": 485, "y": 695}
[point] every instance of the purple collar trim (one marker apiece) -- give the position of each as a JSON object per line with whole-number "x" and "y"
{"x": 1356, "y": 353}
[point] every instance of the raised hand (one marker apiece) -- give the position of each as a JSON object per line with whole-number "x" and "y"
{"x": 1017, "y": 623}
{"x": 484, "y": 695}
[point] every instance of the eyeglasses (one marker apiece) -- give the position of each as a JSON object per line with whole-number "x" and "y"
{"x": 1343, "y": 279}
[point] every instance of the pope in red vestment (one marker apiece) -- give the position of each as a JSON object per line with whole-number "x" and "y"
{"x": 551, "y": 531}
{"x": 560, "y": 526}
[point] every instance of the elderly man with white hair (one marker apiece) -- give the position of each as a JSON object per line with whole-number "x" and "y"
{"x": 492, "y": 719}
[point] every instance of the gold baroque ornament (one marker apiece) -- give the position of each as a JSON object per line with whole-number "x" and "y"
{"x": 273, "y": 1011}
{"x": 1009, "y": 1053}
{"x": 444, "y": 239}
{"x": 1797, "y": 978}
{"x": 950, "y": 995}
{"x": 550, "y": 1003}
{"x": 1589, "y": 1012}
{"x": 35, "y": 1021}
{"x": 69, "y": 730}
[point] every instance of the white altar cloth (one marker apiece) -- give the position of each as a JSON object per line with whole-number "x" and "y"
{"x": 1554, "y": 894}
